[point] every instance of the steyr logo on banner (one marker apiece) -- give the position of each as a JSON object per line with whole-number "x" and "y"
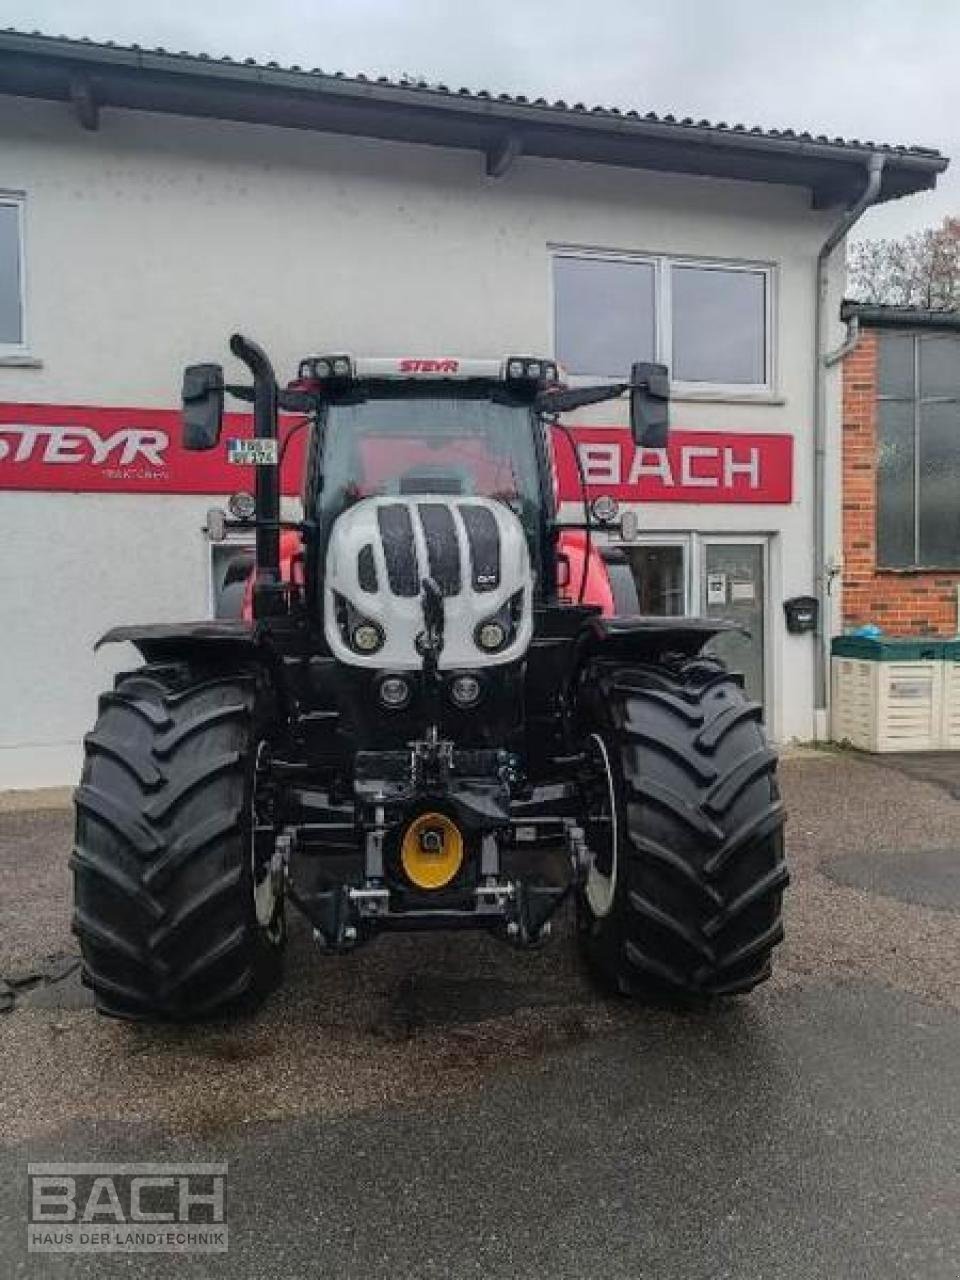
{"x": 60, "y": 446}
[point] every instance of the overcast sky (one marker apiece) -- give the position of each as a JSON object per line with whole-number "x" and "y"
{"x": 887, "y": 70}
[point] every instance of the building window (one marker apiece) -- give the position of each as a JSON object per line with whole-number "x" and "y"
{"x": 918, "y": 455}
{"x": 710, "y": 323}
{"x": 605, "y": 315}
{"x": 12, "y": 335}
{"x": 719, "y": 325}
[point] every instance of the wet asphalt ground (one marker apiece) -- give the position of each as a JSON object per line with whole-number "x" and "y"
{"x": 443, "y": 1106}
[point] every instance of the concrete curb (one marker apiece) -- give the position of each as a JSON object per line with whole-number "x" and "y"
{"x": 44, "y": 798}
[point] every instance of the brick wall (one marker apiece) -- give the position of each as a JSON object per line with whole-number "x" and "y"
{"x": 904, "y": 602}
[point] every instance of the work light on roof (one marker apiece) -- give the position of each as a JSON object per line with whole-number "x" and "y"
{"x": 328, "y": 369}
{"x": 529, "y": 371}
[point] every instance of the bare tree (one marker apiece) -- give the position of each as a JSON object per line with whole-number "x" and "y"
{"x": 919, "y": 270}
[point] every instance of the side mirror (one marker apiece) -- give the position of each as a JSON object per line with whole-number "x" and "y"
{"x": 650, "y": 405}
{"x": 202, "y": 405}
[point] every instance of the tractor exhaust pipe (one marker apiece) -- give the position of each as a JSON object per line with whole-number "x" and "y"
{"x": 268, "y": 592}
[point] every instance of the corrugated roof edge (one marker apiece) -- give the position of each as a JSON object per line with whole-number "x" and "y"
{"x": 273, "y": 73}
{"x": 874, "y": 315}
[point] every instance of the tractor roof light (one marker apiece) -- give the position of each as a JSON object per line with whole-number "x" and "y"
{"x": 326, "y": 371}
{"x": 528, "y": 373}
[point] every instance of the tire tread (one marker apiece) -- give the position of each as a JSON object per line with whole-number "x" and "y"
{"x": 163, "y": 902}
{"x": 698, "y": 909}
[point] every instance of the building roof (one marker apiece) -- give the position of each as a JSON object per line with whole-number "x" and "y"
{"x": 92, "y": 76}
{"x": 873, "y": 315}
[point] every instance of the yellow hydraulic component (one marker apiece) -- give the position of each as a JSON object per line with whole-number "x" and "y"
{"x": 432, "y": 851}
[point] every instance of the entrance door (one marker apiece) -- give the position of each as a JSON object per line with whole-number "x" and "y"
{"x": 733, "y": 587}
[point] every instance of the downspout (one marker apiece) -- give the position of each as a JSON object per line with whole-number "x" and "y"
{"x": 821, "y": 573}
{"x": 847, "y": 345}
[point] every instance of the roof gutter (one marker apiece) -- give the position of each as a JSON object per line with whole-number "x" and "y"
{"x": 823, "y": 572}
{"x": 882, "y": 316}
{"x": 94, "y": 77}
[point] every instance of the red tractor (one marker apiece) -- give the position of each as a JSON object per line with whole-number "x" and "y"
{"x": 432, "y": 718}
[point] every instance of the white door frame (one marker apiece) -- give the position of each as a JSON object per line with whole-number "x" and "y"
{"x": 693, "y": 543}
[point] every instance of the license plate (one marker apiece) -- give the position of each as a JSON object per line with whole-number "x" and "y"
{"x": 258, "y": 452}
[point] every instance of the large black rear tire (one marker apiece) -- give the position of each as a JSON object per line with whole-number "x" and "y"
{"x": 164, "y": 898}
{"x": 685, "y": 898}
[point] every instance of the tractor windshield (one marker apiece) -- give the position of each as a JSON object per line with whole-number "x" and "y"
{"x": 408, "y": 444}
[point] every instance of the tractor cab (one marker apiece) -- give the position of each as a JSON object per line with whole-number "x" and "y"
{"x": 445, "y": 429}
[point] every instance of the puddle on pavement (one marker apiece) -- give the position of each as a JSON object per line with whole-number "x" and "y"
{"x": 53, "y": 982}
{"x": 921, "y": 877}
{"x": 427, "y": 1002}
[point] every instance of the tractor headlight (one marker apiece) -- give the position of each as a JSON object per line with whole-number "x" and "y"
{"x": 394, "y": 692}
{"x": 465, "y": 691}
{"x": 366, "y": 637}
{"x": 491, "y": 635}
{"x": 362, "y": 634}
{"x": 496, "y": 632}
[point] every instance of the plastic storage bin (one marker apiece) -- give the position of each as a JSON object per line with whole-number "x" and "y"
{"x": 950, "y": 729}
{"x": 888, "y": 693}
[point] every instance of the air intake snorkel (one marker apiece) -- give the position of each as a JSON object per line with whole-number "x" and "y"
{"x": 268, "y": 589}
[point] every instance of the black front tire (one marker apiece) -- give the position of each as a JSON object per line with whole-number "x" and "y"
{"x": 163, "y": 866}
{"x": 686, "y": 902}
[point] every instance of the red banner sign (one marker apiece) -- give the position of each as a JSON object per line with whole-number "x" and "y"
{"x": 698, "y": 466}
{"x": 74, "y": 449}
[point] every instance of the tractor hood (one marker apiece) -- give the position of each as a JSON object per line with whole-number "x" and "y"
{"x": 381, "y": 550}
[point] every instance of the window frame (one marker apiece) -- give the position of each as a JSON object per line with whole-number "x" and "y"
{"x": 916, "y": 403}
{"x": 17, "y": 200}
{"x": 663, "y": 265}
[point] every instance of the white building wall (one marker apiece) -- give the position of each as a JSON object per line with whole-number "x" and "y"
{"x": 150, "y": 241}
